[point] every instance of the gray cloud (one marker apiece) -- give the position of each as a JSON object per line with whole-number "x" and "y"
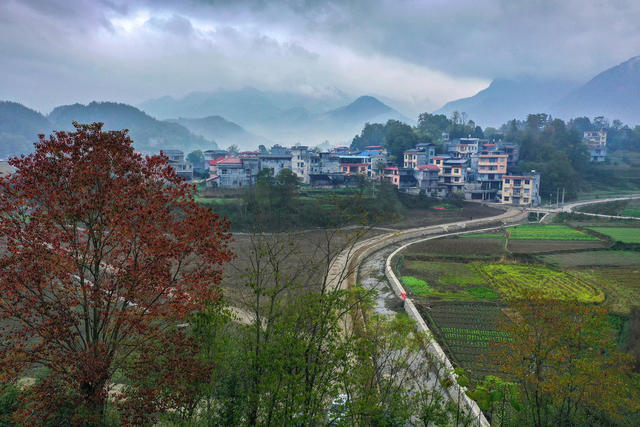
{"x": 419, "y": 54}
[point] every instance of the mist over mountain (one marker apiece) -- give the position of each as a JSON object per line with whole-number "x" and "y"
{"x": 280, "y": 116}
{"x": 506, "y": 99}
{"x": 614, "y": 93}
{"x": 248, "y": 106}
{"x": 223, "y": 131}
{"x": 149, "y": 135}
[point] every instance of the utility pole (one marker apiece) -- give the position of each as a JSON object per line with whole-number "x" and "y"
{"x": 557, "y": 196}
{"x": 563, "y": 195}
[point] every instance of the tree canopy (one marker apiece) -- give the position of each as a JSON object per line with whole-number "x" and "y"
{"x": 105, "y": 254}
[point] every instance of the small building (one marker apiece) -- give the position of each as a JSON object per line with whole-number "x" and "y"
{"x": 213, "y": 154}
{"x": 490, "y": 170}
{"x": 301, "y": 162}
{"x": 521, "y": 190}
{"x": 597, "y": 152}
{"x": 426, "y": 177}
{"x": 275, "y": 162}
{"x": 415, "y": 157}
{"x": 232, "y": 174}
{"x": 376, "y": 160}
{"x": 596, "y": 136}
{"x": 464, "y": 148}
{"x": 354, "y": 165}
{"x": 453, "y": 174}
{"x": 278, "y": 149}
{"x": 402, "y": 178}
{"x": 182, "y": 168}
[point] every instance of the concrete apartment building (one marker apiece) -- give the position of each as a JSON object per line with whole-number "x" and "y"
{"x": 490, "y": 170}
{"x": 453, "y": 174}
{"x": 521, "y": 190}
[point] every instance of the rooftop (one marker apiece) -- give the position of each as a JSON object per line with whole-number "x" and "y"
{"x": 428, "y": 167}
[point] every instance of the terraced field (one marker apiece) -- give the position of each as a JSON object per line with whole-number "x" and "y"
{"x": 620, "y": 284}
{"x": 515, "y": 280}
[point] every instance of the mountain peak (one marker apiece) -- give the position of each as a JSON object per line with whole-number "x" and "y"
{"x": 614, "y": 93}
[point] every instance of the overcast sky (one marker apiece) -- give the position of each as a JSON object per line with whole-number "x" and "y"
{"x": 420, "y": 54}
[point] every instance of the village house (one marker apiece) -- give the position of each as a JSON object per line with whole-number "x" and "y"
{"x": 453, "y": 174}
{"x": 597, "y": 152}
{"x": 426, "y": 177}
{"x": 521, "y": 190}
{"x": 183, "y": 168}
{"x": 402, "y": 178}
{"x": 596, "y": 136}
{"x": 416, "y": 156}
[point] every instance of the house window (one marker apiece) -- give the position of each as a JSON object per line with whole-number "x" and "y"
{"x": 526, "y": 191}
{"x": 506, "y": 198}
{"x": 526, "y": 181}
{"x": 525, "y": 200}
{"x": 456, "y": 171}
{"x": 506, "y": 181}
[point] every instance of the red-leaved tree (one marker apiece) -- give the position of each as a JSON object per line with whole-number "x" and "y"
{"x": 104, "y": 255}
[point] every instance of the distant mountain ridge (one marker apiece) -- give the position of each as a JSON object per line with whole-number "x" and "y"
{"x": 223, "y": 131}
{"x": 280, "y": 116}
{"x": 614, "y": 93}
{"x": 507, "y": 99}
{"x": 20, "y": 126}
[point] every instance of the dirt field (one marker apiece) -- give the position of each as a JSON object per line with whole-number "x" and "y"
{"x": 458, "y": 246}
{"x": 299, "y": 252}
{"x": 422, "y": 218}
{"x": 593, "y": 258}
{"x": 536, "y": 246}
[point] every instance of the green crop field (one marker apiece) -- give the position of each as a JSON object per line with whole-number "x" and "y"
{"x": 445, "y": 280}
{"x": 631, "y": 211}
{"x": 465, "y": 330}
{"x": 592, "y": 258}
{"x": 620, "y": 234}
{"x": 547, "y": 232}
{"x": 416, "y": 286}
{"x": 514, "y": 280}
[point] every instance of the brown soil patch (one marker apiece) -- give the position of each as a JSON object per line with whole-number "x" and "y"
{"x": 536, "y": 246}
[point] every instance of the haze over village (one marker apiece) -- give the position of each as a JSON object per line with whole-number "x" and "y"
{"x": 304, "y": 213}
